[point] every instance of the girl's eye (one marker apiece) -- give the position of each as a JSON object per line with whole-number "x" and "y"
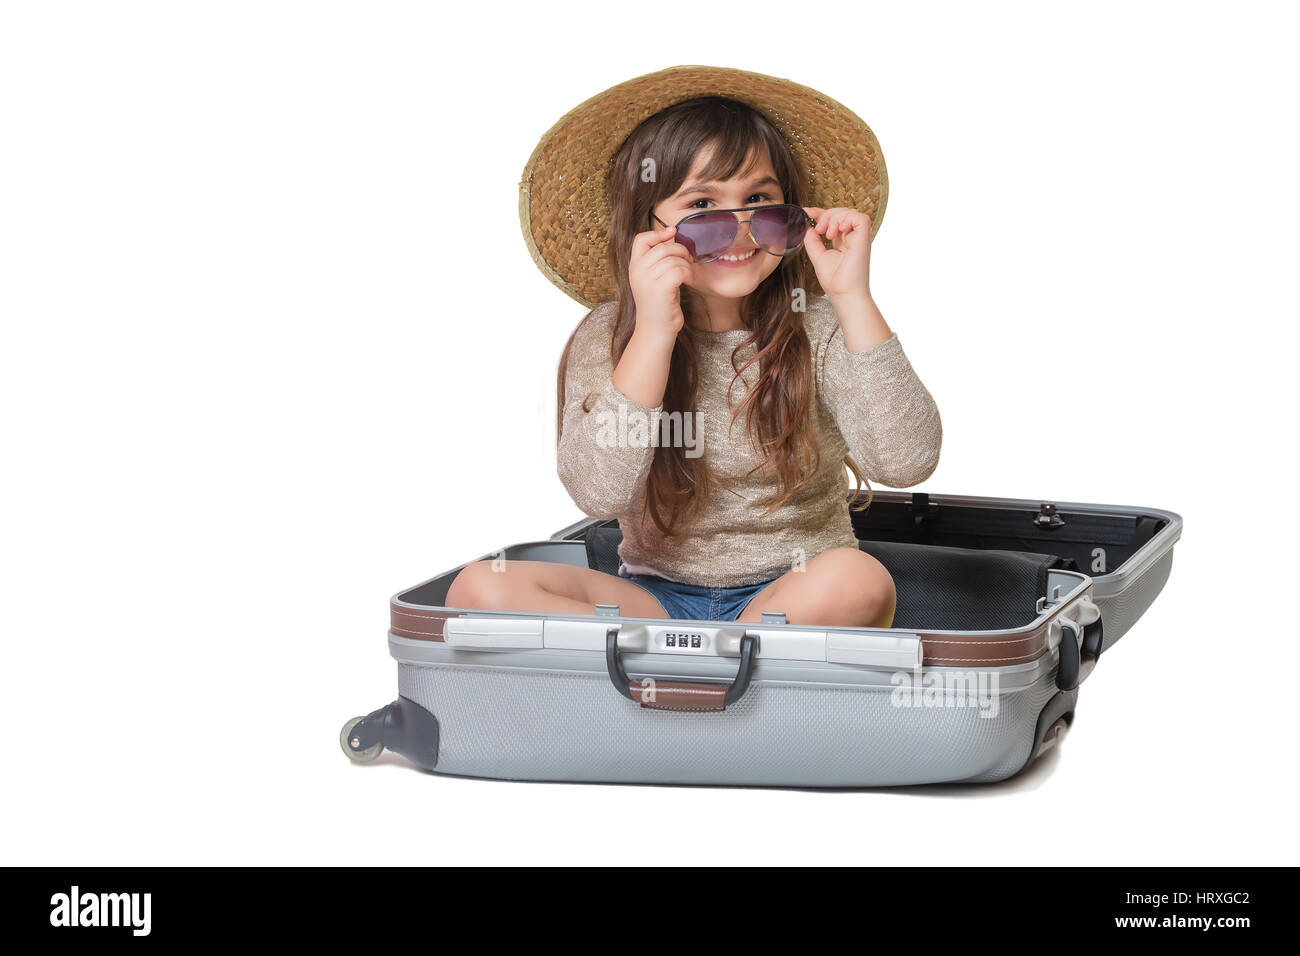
{"x": 703, "y": 203}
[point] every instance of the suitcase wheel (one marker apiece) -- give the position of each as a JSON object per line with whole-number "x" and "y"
{"x": 349, "y": 743}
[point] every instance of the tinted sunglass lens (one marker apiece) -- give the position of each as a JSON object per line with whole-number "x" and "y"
{"x": 779, "y": 229}
{"x": 707, "y": 234}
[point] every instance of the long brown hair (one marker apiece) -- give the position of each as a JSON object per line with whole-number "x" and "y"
{"x": 778, "y": 409}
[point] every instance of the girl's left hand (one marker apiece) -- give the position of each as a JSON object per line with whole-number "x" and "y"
{"x": 844, "y": 268}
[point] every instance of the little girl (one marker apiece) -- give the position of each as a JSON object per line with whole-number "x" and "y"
{"x": 713, "y": 329}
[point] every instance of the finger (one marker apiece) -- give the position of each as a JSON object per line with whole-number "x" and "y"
{"x": 846, "y": 223}
{"x": 673, "y": 248}
{"x": 828, "y": 220}
{"x": 663, "y": 236}
{"x": 667, "y": 250}
{"x": 658, "y": 264}
{"x": 833, "y": 220}
{"x": 658, "y": 258}
{"x": 675, "y": 271}
{"x": 651, "y": 238}
{"x": 666, "y": 265}
{"x": 854, "y": 221}
{"x": 813, "y": 243}
{"x": 815, "y": 214}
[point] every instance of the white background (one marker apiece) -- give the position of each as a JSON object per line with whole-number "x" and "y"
{"x": 273, "y": 349}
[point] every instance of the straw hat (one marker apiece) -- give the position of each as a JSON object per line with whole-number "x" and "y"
{"x": 562, "y": 202}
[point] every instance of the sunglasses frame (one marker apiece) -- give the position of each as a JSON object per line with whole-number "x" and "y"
{"x": 739, "y": 221}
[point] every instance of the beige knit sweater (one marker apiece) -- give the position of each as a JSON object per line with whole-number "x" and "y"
{"x": 870, "y": 404}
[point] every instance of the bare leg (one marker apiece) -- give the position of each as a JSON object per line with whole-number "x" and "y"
{"x": 545, "y": 587}
{"x": 842, "y": 587}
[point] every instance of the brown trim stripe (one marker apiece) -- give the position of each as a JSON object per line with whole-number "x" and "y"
{"x": 417, "y": 625}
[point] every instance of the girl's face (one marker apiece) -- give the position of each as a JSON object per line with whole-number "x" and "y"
{"x": 742, "y": 267}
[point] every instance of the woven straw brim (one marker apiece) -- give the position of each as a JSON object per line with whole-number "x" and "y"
{"x": 562, "y": 203}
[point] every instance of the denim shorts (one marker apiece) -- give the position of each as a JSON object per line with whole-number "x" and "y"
{"x": 693, "y": 602}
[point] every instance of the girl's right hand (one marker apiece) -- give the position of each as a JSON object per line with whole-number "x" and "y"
{"x": 658, "y": 267}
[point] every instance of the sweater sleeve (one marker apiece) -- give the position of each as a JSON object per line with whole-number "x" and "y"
{"x": 886, "y": 414}
{"x": 606, "y": 439}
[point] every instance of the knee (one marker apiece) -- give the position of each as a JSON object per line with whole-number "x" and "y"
{"x": 855, "y": 589}
{"x": 478, "y": 586}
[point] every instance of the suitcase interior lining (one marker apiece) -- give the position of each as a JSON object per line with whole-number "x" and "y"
{"x": 1090, "y": 542}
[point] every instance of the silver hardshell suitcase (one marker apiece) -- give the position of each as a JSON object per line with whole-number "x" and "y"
{"x": 1004, "y": 607}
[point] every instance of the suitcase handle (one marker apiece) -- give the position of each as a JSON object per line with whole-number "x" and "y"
{"x": 1079, "y": 650}
{"x": 681, "y": 695}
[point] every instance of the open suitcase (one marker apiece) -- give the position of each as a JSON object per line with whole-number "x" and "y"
{"x": 1004, "y": 607}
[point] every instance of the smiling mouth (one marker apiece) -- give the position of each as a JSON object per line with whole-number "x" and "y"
{"x": 739, "y": 257}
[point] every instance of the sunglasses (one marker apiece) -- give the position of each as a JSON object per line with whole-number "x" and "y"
{"x": 709, "y": 234}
